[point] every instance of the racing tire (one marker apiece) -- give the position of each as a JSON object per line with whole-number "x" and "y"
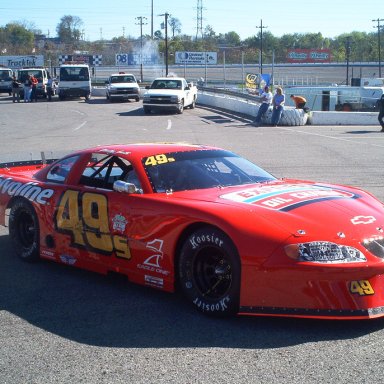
{"x": 24, "y": 230}
{"x": 209, "y": 272}
{"x": 147, "y": 110}
{"x": 180, "y": 107}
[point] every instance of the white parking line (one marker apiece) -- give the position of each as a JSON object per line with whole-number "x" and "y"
{"x": 169, "y": 126}
{"x": 80, "y": 126}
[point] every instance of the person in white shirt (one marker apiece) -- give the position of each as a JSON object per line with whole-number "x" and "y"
{"x": 266, "y": 99}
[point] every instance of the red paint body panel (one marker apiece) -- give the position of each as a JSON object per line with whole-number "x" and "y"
{"x": 144, "y": 233}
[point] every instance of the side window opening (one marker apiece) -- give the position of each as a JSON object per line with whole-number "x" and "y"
{"x": 60, "y": 170}
{"x": 103, "y": 170}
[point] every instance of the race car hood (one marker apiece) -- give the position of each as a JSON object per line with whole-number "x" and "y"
{"x": 305, "y": 208}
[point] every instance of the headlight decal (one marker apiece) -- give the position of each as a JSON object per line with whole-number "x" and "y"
{"x": 324, "y": 252}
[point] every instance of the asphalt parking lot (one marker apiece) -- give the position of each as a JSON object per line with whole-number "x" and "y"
{"x": 62, "y": 325}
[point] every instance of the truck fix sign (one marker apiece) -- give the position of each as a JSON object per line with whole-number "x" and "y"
{"x": 308, "y": 55}
{"x": 15, "y": 62}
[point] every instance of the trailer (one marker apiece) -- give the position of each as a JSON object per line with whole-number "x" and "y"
{"x": 337, "y": 98}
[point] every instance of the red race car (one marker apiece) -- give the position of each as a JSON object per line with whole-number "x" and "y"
{"x": 230, "y": 236}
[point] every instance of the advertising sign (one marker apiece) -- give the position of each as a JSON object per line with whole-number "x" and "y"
{"x": 202, "y": 58}
{"x": 123, "y": 59}
{"x": 309, "y": 56}
{"x": 256, "y": 81}
{"x": 91, "y": 60}
{"x": 15, "y": 62}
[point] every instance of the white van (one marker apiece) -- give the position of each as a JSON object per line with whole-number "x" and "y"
{"x": 41, "y": 74}
{"x": 74, "y": 81}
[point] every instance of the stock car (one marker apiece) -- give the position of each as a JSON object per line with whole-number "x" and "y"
{"x": 230, "y": 236}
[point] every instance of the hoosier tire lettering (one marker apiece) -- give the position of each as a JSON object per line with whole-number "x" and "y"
{"x": 209, "y": 272}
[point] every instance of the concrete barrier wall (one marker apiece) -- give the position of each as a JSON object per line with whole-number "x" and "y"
{"x": 315, "y": 118}
{"x": 343, "y": 118}
{"x": 249, "y": 108}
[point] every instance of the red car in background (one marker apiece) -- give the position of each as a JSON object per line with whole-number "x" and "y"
{"x": 233, "y": 238}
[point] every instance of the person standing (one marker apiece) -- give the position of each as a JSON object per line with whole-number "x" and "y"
{"x": 278, "y": 106}
{"x": 15, "y": 89}
{"x": 34, "y": 88}
{"x": 27, "y": 89}
{"x": 50, "y": 88}
{"x": 380, "y": 104}
{"x": 299, "y": 101}
{"x": 266, "y": 99}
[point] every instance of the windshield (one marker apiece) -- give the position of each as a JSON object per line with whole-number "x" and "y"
{"x": 180, "y": 171}
{"x": 123, "y": 79}
{"x": 166, "y": 84}
{"x": 74, "y": 74}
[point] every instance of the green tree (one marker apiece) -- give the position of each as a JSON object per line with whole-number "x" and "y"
{"x": 69, "y": 29}
{"x": 15, "y": 38}
{"x": 175, "y": 25}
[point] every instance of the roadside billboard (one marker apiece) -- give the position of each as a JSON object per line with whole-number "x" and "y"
{"x": 123, "y": 59}
{"x": 202, "y": 58}
{"x": 16, "y": 62}
{"x": 308, "y": 55}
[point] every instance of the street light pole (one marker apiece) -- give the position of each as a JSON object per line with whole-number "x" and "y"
{"x": 261, "y": 45}
{"x": 166, "y": 14}
{"x": 378, "y": 40}
{"x": 140, "y": 18}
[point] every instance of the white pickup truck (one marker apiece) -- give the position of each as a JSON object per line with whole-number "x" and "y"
{"x": 169, "y": 93}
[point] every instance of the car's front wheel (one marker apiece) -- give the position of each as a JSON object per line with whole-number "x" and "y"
{"x": 24, "y": 230}
{"x": 209, "y": 272}
{"x": 180, "y": 107}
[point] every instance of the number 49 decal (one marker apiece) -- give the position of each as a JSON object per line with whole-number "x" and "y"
{"x": 85, "y": 218}
{"x": 361, "y": 287}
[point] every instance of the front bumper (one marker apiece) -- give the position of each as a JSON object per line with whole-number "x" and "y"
{"x": 337, "y": 292}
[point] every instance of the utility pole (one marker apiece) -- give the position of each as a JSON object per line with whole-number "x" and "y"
{"x": 347, "y": 54}
{"x": 166, "y": 15}
{"x": 378, "y": 41}
{"x": 261, "y": 45}
{"x": 152, "y": 19}
{"x": 141, "y": 23}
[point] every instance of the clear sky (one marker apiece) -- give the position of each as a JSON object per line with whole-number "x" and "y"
{"x": 107, "y": 19}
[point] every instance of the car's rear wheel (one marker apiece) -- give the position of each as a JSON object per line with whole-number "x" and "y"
{"x": 209, "y": 272}
{"x": 193, "y": 105}
{"x": 24, "y": 230}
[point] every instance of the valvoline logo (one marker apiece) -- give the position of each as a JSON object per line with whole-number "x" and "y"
{"x": 287, "y": 197}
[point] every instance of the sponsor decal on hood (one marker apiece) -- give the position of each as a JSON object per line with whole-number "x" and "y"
{"x": 288, "y": 196}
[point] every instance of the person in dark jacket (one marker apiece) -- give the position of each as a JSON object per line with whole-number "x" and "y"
{"x": 380, "y": 104}
{"x": 16, "y": 89}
